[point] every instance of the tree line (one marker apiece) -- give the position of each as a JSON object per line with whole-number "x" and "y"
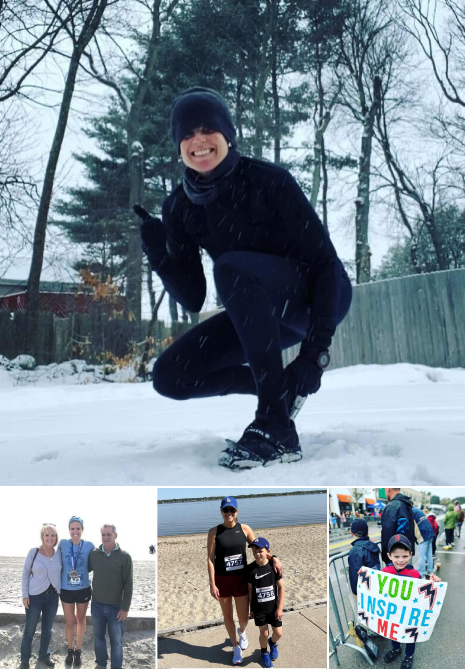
{"x": 358, "y": 98}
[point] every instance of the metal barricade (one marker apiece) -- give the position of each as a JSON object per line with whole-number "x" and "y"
{"x": 341, "y": 639}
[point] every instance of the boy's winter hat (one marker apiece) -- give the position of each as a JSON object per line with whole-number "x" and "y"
{"x": 399, "y": 539}
{"x": 359, "y": 528}
{"x": 261, "y": 543}
{"x": 201, "y": 108}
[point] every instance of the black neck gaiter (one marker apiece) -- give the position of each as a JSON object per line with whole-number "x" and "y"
{"x": 205, "y": 189}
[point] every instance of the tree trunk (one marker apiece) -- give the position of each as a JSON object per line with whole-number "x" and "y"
{"x": 324, "y": 169}
{"x": 274, "y": 88}
{"x": 38, "y": 248}
{"x": 33, "y": 285}
{"x": 362, "y": 249}
{"x": 134, "y": 253}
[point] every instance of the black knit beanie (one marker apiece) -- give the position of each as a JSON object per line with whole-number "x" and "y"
{"x": 201, "y": 108}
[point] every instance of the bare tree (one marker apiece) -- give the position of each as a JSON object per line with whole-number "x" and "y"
{"x": 28, "y": 32}
{"x": 132, "y": 109}
{"x": 367, "y": 47}
{"x": 80, "y": 23}
{"x": 419, "y": 186}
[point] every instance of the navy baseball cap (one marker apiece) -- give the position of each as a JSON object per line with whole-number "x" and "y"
{"x": 261, "y": 543}
{"x": 400, "y": 539}
{"x": 359, "y": 527}
{"x": 229, "y": 501}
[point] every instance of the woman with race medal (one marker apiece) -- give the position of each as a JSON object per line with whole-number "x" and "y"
{"x": 227, "y": 570}
{"x": 75, "y": 587}
{"x": 41, "y": 587}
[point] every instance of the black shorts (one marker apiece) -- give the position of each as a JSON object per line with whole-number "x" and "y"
{"x": 76, "y": 596}
{"x": 267, "y": 619}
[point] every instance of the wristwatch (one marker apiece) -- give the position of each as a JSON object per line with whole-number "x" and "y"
{"x": 323, "y": 360}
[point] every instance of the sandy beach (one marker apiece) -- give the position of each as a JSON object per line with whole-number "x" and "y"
{"x": 183, "y": 589}
{"x": 11, "y": 568}
{"x": 139, "y": 647}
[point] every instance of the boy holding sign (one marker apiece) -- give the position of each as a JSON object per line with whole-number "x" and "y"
{"x": 266, "y": 597}
{"x": 399, "y": 552}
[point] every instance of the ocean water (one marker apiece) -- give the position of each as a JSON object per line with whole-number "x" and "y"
{"x": 258, "y": 512}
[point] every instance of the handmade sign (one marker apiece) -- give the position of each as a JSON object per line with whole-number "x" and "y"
{"x": 398, "y": 607}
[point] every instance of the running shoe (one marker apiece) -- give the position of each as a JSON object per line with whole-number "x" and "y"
{"x": 237, "y": 657}
{"x": 262, "y": 444}
{"x": 266, "y": 660}
{"x": 392, "y": 655}
{"x": 77, "y": 658}
{"x": 70, "y": 657}
{"x": 273, "y": 649}
{"x": 243, "y": 640}
{"x": 407, "y": 663}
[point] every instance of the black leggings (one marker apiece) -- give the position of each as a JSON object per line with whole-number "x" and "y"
{"x": 266, "y": 302}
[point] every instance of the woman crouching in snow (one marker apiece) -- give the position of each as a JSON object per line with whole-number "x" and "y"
{"x": 275, "y": 269}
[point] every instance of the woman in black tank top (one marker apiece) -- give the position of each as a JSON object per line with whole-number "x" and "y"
{"x": 227, "y": 570}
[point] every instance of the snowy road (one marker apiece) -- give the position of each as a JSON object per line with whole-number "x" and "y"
{"x": 368, "y": 424}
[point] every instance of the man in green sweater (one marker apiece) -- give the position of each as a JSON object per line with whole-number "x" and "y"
{"x": 111, "y": 597}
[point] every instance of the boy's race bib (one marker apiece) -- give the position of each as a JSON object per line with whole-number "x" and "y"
{"x": 233, "y": 562}
{"x": 265, "y": 594}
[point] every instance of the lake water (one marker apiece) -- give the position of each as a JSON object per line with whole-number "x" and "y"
{"x": 280, "y": 511}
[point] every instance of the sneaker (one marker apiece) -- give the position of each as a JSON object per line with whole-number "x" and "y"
{"x": 237, "y": 657}
{"x": 273, "y": 649}
{"x": 262, "y": 444}
{"x": 266, "y": 660}
{"x": 243, "y": 640}
{"x": 392, "y": 655}
{"x": 70, "y": 657}
{"x": 77, "y": 658}
{"x": 407, "y": 663}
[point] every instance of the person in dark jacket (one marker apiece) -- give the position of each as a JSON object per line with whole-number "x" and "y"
{"x": 276, "y": 272}
{"x": 425, "y": 548}
{"x": 364, "y": 553}
{"x": 397, "y": 518}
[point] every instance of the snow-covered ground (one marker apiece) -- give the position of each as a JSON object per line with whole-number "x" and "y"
{"x": 399, "y": 423}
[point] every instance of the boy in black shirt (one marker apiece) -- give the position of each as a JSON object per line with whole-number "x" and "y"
{"x": 266, "y": 597}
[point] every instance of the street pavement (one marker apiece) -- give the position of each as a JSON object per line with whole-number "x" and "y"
{"x": 303, "y": 645}
{"x": 445, "y": 648}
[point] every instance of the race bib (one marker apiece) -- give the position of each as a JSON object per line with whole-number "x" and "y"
{"x": 265, "y": 594}
{"x": 74, "y": 580}
{"x": 233, "y": 562}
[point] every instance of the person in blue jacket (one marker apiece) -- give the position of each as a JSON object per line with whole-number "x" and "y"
{"x": 425, "y": 548}
{"x": 364, "y": 552}
{"x": 276, "y": 272}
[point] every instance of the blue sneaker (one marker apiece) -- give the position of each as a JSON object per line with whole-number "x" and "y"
{"x": 266, "y": 661}
{"x": 273, "y": 649}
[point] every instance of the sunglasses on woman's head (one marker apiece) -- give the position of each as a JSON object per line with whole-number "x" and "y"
{"x": 228, "y": 509}
{"x": 51, "y": 524}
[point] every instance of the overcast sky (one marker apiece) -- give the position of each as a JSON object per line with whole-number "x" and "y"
{"x": 131, "y": 509}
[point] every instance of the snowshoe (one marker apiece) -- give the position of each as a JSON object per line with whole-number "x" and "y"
{"x": 258, "y": 447}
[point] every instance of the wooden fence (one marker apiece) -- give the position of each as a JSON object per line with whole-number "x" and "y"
{"x": 418, "y": 319}
{"x": 80, "y": 336}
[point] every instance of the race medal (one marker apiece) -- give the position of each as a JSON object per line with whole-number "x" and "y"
{"x": 74, "y": 576}
{"x": 233, "y": 562}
